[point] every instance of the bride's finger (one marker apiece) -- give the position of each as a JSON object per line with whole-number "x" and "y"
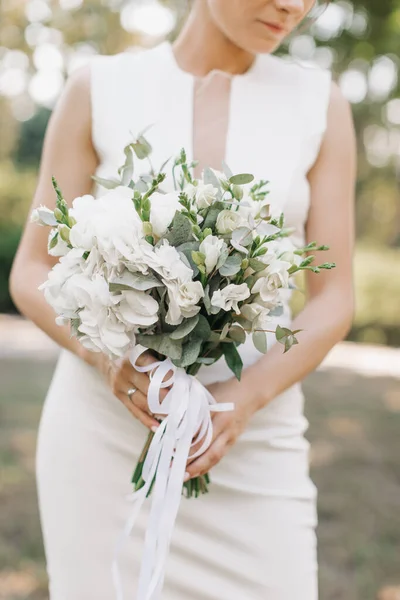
{"x": 148, "y": 420}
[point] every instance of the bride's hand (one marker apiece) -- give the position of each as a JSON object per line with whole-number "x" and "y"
{"x": 122, "y": 377}
{"x": 227, "y": 426}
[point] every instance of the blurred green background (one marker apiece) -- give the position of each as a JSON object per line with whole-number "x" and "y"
{"x": 355, "y": 428}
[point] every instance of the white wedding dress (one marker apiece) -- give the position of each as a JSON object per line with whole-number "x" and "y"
{"x": 253, "y": 536}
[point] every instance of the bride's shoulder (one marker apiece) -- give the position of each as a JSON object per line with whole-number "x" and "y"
{"x": 294, "y": 72}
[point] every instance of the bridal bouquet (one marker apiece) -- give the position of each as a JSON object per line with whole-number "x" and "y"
{"x": 187, "y": 274}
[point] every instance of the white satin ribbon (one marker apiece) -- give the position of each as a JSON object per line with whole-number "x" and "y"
{"x": 187, "y": 408}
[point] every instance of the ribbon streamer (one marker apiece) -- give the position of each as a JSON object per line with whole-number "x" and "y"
{"x": 187, "y": 422}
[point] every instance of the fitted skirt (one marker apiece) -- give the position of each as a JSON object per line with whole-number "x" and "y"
{"x": 251, "y": 538}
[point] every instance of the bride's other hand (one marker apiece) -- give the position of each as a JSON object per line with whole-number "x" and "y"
{"x": 127, "y": 384}
{"x": 227, "y": 426}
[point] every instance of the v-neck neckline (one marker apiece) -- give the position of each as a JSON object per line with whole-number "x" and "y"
{"x": 190, "y": 80}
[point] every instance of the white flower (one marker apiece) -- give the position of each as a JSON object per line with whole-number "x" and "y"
{"x": 229, "y": 296}
{"x": 168, "y": 264}
{"x": 162, "y": 211}
{"x": 109, "y": 223}
{"x": 43, "y": 216}
{"x": 183, "y": 299}
{"x": 212, "y": 247}
{"x": 256, "y": 314}
{"x": 228, "y": 221}
{"x": 102, "y": 331}
{"x": 274, "y": 277}
{"x": 138, "y": 309}
{"x": 61, "y": 247}
{"x": 205, "y": 194}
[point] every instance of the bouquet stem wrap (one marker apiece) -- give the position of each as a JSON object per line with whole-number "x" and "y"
{"x": 187, "y": 409}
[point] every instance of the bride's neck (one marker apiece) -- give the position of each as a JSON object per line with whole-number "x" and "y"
{"x": 201, "y": 46}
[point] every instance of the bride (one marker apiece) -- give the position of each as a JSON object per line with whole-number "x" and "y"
{"x": 219, "y": 92}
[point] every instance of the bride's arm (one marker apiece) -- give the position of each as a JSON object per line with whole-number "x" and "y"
{"x": 328, "y": 313}
{"x": 69, "y": 156}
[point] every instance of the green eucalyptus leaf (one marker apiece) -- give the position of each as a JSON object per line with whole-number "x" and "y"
{"x": 185, "y": 250}
{"x": 141, "y": 147}
{"x": 222, "y": 258}
{"x": 190, "y": 353}
{"x": 257, "y": 265}
{"x": 276, "y": 312}
{"x": 127, "y": 169}
{"x": 185, "y": 328}
{"x": 281, "y": 333}
{"x": 212, "y": 215}
{"x": 241, "y": 179}
{"x": 231, "y": 265}
{"x": 260, "y": 341}
{"x": 226, "y": 170}
{"x": 180, "y": 231}
{"x": 237, "y": 334}
{"x": 224, "y": 331}
{"x": 133, "y": 281}
{"x": 233, "y": 359}
{"x": 210, "y": 177}
{"x": 202, "y": 329}
{"x": 161, "y": 343}
{"x": 109, "y": 184}
{"x": 206, "y": 360}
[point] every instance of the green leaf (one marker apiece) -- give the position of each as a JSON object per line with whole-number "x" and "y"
{"x": 141, "y": 147}
{"x": 260, "y": 341}
{"x": 190, "y": 353}
{"x": 212, "y": 215}
{"x": 276, "y": 312}
{"x": 289, "y": 342}
{"x": 181, "y": 230}
{"x": 202, "y": 329}
{"x": 241, "y": 179}
{"x": 222, "y": 258}
{"x": 161, "y": 343}
{"x": 237, "y": 334}
{"x": 133, "y": 281}
{"x": 231, "y": 266}
{"x": 126, "y": 171}
{"x": 226, "y": 170}
{"x": 185, "y": 328}
{"x": 109, "y": 184}
{"x": 210, "y": 177}
{"x": 224, "y": 331}
{"x": 206, "y": 360}
{"x": 53, "y": 241}
{"x": 282, "y": 332}
{"x": 233, "y": 359}
{"x": 257, "y": 265}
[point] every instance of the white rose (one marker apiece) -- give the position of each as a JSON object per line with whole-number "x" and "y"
{"x": 229, "y": 296}
{"x": 162, "y": 211}
{"x": 212, "y": 247}
{"x": 228, "y": 221}
{"x": 205, "y": 195}
{"x": 274, "y": 277}
{"x": 61, "y": 247}
{"x": 168, "y": 264}
{"x": 183, "y": 299}
{"x": 43, "y": 216}
{"x": 256, "y": 314}
{"x": 138, "y": 309}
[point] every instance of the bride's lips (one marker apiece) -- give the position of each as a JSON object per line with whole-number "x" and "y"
{"x": 274, "y": 27}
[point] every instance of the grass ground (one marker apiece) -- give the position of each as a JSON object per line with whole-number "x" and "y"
{"x": 354, "y": 429}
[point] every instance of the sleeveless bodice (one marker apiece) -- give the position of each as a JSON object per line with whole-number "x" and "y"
{"x": 268, "y": 121}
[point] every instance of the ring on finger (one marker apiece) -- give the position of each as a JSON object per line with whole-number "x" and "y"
{"x": 130, "y": 393}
